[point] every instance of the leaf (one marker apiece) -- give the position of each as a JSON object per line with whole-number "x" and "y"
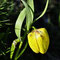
{"x": 19, "y": 23}
{"x": 13, "y": 46}
{"x": 29, "y": 15}
{"x": 31, "y": 5}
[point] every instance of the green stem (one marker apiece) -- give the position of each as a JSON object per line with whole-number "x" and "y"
{"x": 20, "y": 45}
{"x": 23, "y": 50}
{"x": 44, "y": 11}
{"x": 18, "y": 50}
{"x": 33, "y": 27}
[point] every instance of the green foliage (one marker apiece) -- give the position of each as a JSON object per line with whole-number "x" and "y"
{"x": 29, "y": 18}
{"x": 3, "y": 37}
{"x": 6, "y": 9}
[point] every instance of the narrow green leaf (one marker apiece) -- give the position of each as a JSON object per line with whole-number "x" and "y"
{"x": 4, "y": 21}
{"x": 19, "y": 22}
{"x": 44, "y": 11}
{"x": 29, "y": 15}
{"x": 31, "y": 4}
{"x": 13, "y": 46}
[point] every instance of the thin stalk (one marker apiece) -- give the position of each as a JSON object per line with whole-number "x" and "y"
{"x": 23, "y": 50}
{"x": 20, "y": 45}
{"x": 44, "y": 11}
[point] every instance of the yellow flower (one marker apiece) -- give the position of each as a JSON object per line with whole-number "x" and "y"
{"x": 38, "y": 40}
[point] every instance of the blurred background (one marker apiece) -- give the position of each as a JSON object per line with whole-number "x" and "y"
{"x": 9, "y": 11}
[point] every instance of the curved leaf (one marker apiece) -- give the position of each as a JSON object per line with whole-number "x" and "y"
{"x": 29, "y": 15}
{"x": 19, "y": 22}
{"x": 31, "y": 4}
